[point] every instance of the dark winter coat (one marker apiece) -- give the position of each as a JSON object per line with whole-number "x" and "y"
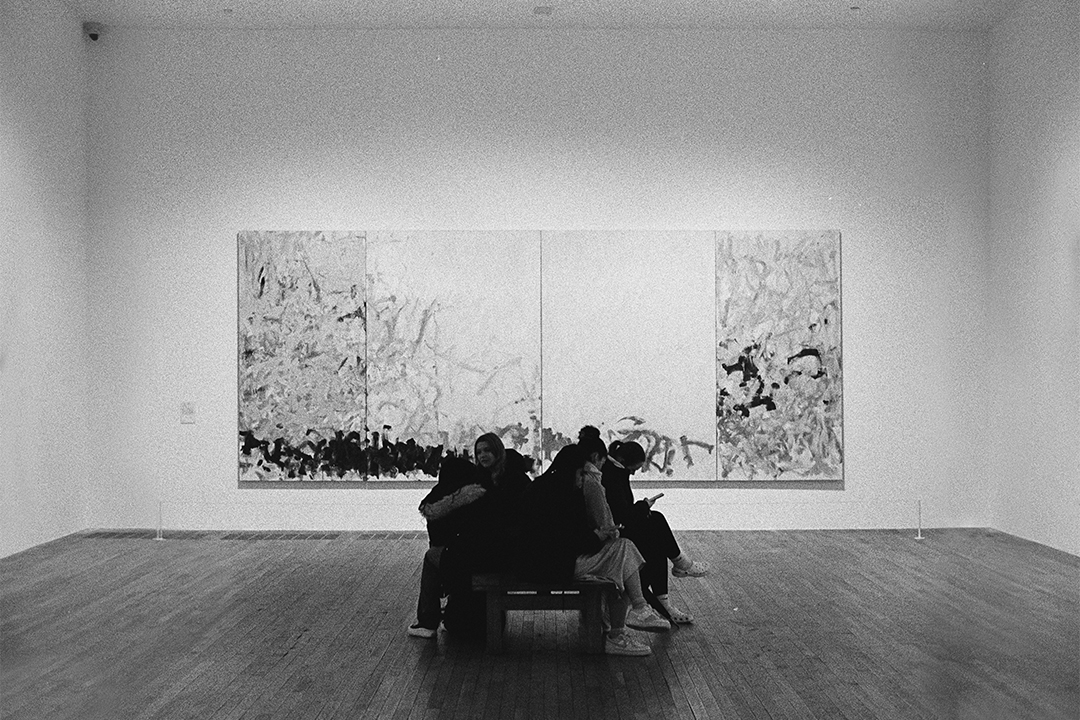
{"x": 494, "y": 512}
{"x": 479, "y": 537}
{"x": 620, "y": 497}
{"x": 454, "y": 474}
{"x": 555, "y": 530}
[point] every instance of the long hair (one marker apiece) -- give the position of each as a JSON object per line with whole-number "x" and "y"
{"x": 496, "y": 444}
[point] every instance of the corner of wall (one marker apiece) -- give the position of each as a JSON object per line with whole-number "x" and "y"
{"x": 1035, "y": 233}
{"x": 44, "y": 373}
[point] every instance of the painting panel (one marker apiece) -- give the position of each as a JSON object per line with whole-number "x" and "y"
{"x": 454, "y": 339}
{"x": 779, "y": 371}
{"x": 302, "y": 350}
{"x": 627, "y": 345}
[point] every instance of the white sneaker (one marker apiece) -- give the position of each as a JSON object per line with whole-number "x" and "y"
{"x": 420, "y": 631}
{"x": 696, "y": 568}
{"x": 623, "y": 644}
{"x": 645, "y": 618}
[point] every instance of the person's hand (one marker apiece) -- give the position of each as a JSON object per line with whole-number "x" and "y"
{"x": 608, "y": 533}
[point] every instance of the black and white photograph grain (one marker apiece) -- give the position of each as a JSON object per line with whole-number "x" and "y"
{"x": 549, "y": 360}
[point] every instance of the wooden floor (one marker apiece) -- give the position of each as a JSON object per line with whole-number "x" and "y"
{"x": 791, "y": 625}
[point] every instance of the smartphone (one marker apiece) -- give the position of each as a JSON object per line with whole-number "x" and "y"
{"x": 654, "y": 498}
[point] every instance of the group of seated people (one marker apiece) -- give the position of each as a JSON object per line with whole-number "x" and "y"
{"x": 576, "y": 521}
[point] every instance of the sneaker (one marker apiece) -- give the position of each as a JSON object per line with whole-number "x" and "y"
{"x": 645, "y": 618}
{"x": 623, "y": 644}
{"x": 420, "y": 631}
{"x": 696, "y": 568}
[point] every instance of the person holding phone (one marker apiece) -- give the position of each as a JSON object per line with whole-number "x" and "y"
{"x": 568, "y": 534}
{"x": 648, "y": 529}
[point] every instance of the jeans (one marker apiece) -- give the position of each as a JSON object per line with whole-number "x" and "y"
{"x": 428, "y": 606}
{"x": 657, "y": 544}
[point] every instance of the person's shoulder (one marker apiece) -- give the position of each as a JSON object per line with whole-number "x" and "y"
{"x": 518, "y": 466}
{"x": 454, "y": 473}
{"x": 517, "y": 462}
{"x": 456, "y": 470}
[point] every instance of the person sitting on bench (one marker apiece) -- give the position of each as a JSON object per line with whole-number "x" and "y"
{"x": 648, "y": 529}
{"x": 468, "y": 513}
{"x": 568, "y": 534}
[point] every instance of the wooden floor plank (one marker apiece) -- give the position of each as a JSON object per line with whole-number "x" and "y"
{"x": 806, "y": 625}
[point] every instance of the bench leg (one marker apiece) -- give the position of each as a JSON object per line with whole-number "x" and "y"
{"x": 496, "y": 616}
{"x": 592, "y": 627}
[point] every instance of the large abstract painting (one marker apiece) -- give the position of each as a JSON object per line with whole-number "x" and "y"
{"x": 371, "y": 356}
{"x": 779, "y": 410}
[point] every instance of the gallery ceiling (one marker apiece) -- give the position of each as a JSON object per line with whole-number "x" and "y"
{"x": 691, "y": 14}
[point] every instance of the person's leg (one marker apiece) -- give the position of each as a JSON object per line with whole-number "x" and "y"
{"x": 640, "y": 614}
{"x": 617, "y": 605}
{"x": 463, "y": 613}
{"x": 428, "y": 610}
{"x": 662, "y": 538}
{"x": 665, "y": 546}
{"x": 623, "y": 561}
{"x": 654, "y": 571}
{"x": 618, "y": 641}
{"x": 633, "y": 594}
{"x": 654, "y": 574}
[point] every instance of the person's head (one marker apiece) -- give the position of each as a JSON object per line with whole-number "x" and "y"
{"x": 590, "y": 443}
{"x": 628, "y": 454}
{"x": 566, "y": 467}
{"x": 490, "y": 453}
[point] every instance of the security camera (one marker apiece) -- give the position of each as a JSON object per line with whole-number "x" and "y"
{"x": 93, "y": 30}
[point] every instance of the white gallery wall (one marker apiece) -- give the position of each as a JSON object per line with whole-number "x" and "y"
{"x": 889, "y": 136}
{"x": 1035, "y": 274}
{"x": 45, "y": 464}
{"x": 195, "y": 135}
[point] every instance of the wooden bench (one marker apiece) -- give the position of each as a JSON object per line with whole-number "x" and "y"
{"x": 505, "y": 592}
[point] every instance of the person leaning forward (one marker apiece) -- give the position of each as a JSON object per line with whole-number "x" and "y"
{"x": 470, "y": 515}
